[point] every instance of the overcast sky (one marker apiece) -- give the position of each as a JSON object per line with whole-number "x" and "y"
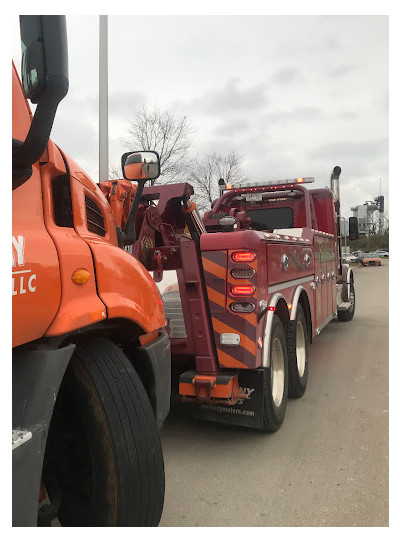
{"x": 295, "y": 95}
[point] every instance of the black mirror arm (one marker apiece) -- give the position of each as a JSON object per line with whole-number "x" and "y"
{"x": 128, "y": 235}
{"x": 39, "y": 132}
{"x": 38, "y": 136}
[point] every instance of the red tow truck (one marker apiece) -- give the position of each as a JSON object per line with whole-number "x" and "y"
{"x": 259, "y": 277}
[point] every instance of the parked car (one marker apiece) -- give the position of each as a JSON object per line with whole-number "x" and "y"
{"x": 348, "y": 258}
{"x": 371, "y": 259}
{"x": 382, "y": 253}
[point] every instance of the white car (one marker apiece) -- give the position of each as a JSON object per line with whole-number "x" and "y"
{"x": 348, "y": 258}
{"x": 382, "y": 253}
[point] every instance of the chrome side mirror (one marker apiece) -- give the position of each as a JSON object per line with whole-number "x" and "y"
{"x": 227, "y": 221}
{"x": 140, "y": 165}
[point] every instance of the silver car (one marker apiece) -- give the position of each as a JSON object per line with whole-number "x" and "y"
{"x": 382, "y": 253}
{"x": 348, "y": 258}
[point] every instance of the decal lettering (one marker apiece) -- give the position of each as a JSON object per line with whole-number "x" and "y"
{"x": 23, "y": 281}
{"x": 18, "y": 244}
{"x": 247, "y": 391}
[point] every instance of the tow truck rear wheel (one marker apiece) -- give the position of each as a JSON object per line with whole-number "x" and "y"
{"x": 276, "y": 381}
{"x": 298, "y": 343}
{"x": 104, "y": 458}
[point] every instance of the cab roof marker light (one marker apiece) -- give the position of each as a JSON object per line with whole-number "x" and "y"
{"x": 272, "y": 184}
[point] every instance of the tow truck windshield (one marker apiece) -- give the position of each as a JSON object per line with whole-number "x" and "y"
{"x": 271, "y": 218}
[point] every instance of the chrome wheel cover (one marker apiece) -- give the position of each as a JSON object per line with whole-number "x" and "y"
{"x": 277, "y": 372}
{"x": 352, "y": 296}
{"x": 301, "y": 353}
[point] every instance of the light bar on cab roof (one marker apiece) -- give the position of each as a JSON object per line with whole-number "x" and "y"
{"x": 280, "y": 183}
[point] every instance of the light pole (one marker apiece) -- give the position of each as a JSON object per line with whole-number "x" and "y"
{"x": 103, "y": 98}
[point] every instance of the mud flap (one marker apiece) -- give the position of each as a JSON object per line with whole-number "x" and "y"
{"x": 246, "y": 412}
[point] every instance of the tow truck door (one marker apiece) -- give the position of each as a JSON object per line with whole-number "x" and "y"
{"x": 321, "y": 291}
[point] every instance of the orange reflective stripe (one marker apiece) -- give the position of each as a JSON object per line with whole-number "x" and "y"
{"x": 215, "y": 269}
{"x": 228, "y": 361}
{"x": 216, "y": 297}
{"x": 245, "y": 342}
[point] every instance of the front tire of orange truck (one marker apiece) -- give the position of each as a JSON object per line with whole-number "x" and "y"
{"x": 298, "y": 342}
{"x": 104, "y": 457}
{"x": 276, "y": 379}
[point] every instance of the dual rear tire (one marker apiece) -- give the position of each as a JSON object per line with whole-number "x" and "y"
{"x": 287, "y": 373}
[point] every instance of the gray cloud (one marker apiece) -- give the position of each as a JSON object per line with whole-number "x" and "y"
{"x": 347, "y": 115}
{"x": 285, "y": 76}
{"x": 356, "y": 150}
{"x": 346, "y": 69}
{"x": 123, "y": 103}
{"x": 233, "y": 127}
{"x": 84, "y": 144}
{"x": 298, "y": 114}
{"x": 231, "y": 97}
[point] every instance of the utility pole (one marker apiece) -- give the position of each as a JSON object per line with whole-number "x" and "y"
{"x": 103, "y": 98}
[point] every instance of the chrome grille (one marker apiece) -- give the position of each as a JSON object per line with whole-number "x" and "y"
{"x": 174, "y": 315}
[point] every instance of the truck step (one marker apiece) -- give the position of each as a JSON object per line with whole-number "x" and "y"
{"x": 19, "y": 437}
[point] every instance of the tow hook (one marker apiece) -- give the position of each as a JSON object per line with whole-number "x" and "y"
{"x": 221, "y": 388}
{"x": 203, "y": 386}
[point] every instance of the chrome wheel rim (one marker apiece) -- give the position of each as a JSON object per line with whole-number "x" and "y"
{"x": 277, "y": 372}
{"x": 300, "y": 348}
{"x": 352, "y": 297}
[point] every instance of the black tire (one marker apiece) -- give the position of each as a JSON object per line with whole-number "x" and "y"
{"x": 276, "y": 379}
{"x": 104, "y": 454}
{"x": 297, "y": 345}
{"x": 348, "y": 314}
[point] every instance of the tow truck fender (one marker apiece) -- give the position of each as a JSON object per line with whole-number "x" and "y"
{"x": 345, "y": 279}
{"x": 37, "y": 376}
{"x": 301, "y": 291}
{"x": 273, "y": 304}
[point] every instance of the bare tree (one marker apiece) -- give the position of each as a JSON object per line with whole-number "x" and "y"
{"x": 207, "y": 170}
{"x": 170, "y": 136}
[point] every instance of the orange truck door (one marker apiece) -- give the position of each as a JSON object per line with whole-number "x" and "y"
{"x": 36, "y": 289}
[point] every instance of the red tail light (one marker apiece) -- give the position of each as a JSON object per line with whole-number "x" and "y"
{"x": 243, "y": 256}
{"x": 242, "y": 290}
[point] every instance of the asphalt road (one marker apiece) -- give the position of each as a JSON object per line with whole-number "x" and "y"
{"x": 328, "y": 465}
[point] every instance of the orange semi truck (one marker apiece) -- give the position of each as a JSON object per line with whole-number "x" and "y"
{"x": 90, "y": 359}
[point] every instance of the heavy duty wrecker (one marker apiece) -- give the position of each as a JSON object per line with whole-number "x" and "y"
{"x": 91, "y": 359}
{"x": 258, "y": 278}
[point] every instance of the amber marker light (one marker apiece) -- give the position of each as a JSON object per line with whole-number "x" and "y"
{"x": 300, "y": 180}
{"x": 243, "y": 256}
{"x": 80, "y": 276}
{"x": 242, "y": 290}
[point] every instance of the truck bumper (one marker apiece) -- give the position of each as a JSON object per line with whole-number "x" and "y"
{"x": 156, "y": 359}
{"x": 247, "y": 410}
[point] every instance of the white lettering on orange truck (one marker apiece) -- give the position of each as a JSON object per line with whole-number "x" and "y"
{"x": 23, "y": 281}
